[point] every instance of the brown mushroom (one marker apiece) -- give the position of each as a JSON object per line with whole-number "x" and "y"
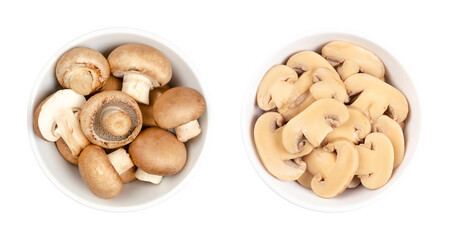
{"x": 83, "y": 70}
{"x": 129, "y": 175}
{"x": 147, "y": 110}
{"x": 157, "y": 151}
{"x": 65, "y": 151}
{"x": 111, "y": 119}
{"x": 179, "y": 108}
{"x": 112, "y": 83}
{"x": 142, "y": 68}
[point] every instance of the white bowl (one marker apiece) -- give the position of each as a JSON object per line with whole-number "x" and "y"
{"x": 135, "y": 195}
{"x": 351, "y": 198}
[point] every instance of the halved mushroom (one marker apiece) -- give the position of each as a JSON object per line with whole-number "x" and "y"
{"x": 142, "y": 68}
{"x": 340, "y": 173}
{"x": 268, "y": 140}
{"x": 394, "y": 133}
{"x": 111, "y": 119}
{"x": 351, "y": 59}
{"x": 147, "y": 110}
{"x": 83, "y": 70}
{"x": 112, "y": 83}
{"x": 157, "y": 151}
{"x": 179, "y": 108}
{"x": 376, "y": 161}
{"x": 55, "y": 117}
{"x": 355, "y": 129}
{"x": 314, "y": 123}
{"x": 376, "y": 97}
{"x": 101, "y": 172}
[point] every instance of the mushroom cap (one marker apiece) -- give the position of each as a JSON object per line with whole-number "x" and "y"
{"x": 394, "y": 133}
{"x": 140, "y": 58}
{"x": 98, "y": 174}
{"x": 354, "y": 59}
{"x": 376, "y": 161}
{"x": 178, "y": 106}
{"x": 355, "y": 129}
{"x": 268, "y": 141}
{"x": 147, "y": 110}
{"x": 65, "y": 151}
{"x": 376, "y": 97}
{"x": 158, "y": 151}
{"x": 341, "y": 172}
{"x": 129, "y": 175}
{"x": 314, "y": 123}
{"x": 112, "y": 83}
{"x": 45, "y": 114}
{"x": 83, "y": 57}
{"x": 90, "y": 118}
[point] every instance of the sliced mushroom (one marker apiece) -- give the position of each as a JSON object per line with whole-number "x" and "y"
{"x": 355, "y": 182}
{"x": 394, "y": 133}
{"x": 142, "y": 68}
{"x": 376, "y": 97}
{"x": 305, "y": 179}
{"x": 351, "y": 59}
{"x": 268, "y": 140}
{"x": 341, "y": 172}
{"x": 308, "y": 61}
{"x": 327, "y": 84}
{"x": 147, "y": 110}
{"x": 355, "y": 129}
{"x": 111, "y": 119}
{"x": 112, "y": 84}
{"x": 376, "y": 161}
{"x": 179, "y": 108}
{"x": 314, "y": 123}
{"x": 157, "y": 151}
{"x": 83, "y": 70}
{"x": 99, "y": 173}
{"x": 320, "y": 161}
{"x": 301, "y": 103}
{"x": 55, "y": 117}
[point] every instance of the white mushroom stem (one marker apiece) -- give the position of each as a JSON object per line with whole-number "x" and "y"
{"x": 138, "y": 85}
{"x": 80, "y": 80}
{"x": 115, "y": 121}
{"x": 69, "y": 129}
{"x": 188, "y": 131}
{"x": 120, "y": 160}
{"x": 146, "y": 177}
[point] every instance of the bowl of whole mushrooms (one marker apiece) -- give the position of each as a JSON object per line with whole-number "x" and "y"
{"x": 118, "y": 119}
{"x": 331, "y": 121}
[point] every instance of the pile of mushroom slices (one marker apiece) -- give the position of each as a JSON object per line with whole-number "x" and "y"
{"x": 332, "y": 122}
{"x": 97, "y": 120}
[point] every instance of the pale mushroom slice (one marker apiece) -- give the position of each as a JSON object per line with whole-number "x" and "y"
{"x": 376, "y": 161}
{"x": 83, "y": 70}
{"x": 305, "y": 179}
{"x": 268, "y": 141}
{"x": 142, "y": 68}
{"x": 111, "y": 119}
{"x": 314, "y": 123}
{"x": 318, "y": 161}
{"x": 180, "y": 108}
{"x": 296, "y": 107}
{"x": 327, "y": 84}
{"x": 340, "y": 173}
{"x": 356, "y": 128}
{"x": 147, "y": 110}
{"x": 56, "y": 117}
{"x": 376, "y": 97}
{"x": 394, "y": 133}
{"x": 351, "y": 59}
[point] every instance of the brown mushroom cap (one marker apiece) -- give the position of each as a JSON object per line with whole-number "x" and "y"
{"x": 112, "y": 83}
{"x": 140, "y": 58}
{"x": 92, "y": 123}
{"x": 82, "y": 69}
{"x": 129, "y": 175}
{"x": 98, "y": 173}
{"x": 157, "y": 151}
{"x": 65, "y": 151}
{"x": 178, "y": 106}
{"x": 147, "y": 110}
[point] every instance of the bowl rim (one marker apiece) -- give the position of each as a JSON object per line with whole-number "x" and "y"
{"x": 249, "y": 146}
{"x": 30, "y": 117}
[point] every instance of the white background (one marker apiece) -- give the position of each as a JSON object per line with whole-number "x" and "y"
{"x": 227, "y": 42}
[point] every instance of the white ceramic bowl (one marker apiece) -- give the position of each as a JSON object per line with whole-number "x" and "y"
{"x": 136, "y": 195}
{"x": 351, "y": 198}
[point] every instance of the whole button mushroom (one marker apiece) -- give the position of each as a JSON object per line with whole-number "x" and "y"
{"x": 179, "y": 108}
{"x": 56, "y": 117}
{"x": 142, "y": 68}
{"x": 101, "y": 172}
{"x": 83, "y": 70}
{"x": 147, "y": 110}
{"x": 111, "y": 119}
{"x": 157, "y": 151}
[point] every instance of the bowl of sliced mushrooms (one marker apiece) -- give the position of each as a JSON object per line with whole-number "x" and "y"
{"x": 117, "y": 119}
{"x": 331, "y": 121}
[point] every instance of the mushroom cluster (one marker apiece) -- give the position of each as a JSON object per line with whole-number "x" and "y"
{"x": 117, "y": 118}
{"x": 331, "y": 121}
